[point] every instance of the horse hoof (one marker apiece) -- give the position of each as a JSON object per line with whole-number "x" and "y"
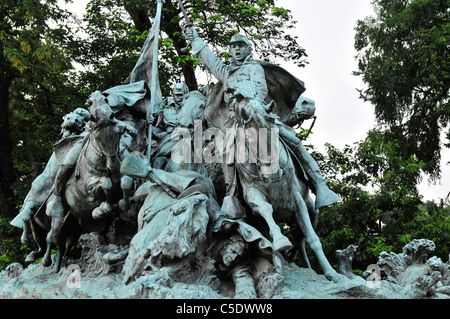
{"x": 281, "y": 244}
{"x": 335, "y": 277}
{"x": 97, "y": 213}
{"x": 46, "y": 262}
{"x": 31, "y": 258}
{"x": 111, "y": 258}
{"x": 57, "y": 267}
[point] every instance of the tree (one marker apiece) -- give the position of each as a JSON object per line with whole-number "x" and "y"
{"x": 381, "y": 209}
{"x": 33, "y": 97}
{"x": 379, "y": 195}
{"x": 404, "y": 59}
{"x": 116, "y": 30}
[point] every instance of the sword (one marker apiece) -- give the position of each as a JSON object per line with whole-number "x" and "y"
{"x": 186, "y": 18}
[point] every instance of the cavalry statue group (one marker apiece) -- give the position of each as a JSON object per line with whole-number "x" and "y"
{"x": 223, "y": 204}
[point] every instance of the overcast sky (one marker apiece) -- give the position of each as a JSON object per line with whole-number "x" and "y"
{"x": 326, "y": 31}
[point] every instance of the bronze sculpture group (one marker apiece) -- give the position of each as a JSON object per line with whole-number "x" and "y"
{"x": 216, "y": 209}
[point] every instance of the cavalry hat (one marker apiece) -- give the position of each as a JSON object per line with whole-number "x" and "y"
{"x": 239, "y": 38}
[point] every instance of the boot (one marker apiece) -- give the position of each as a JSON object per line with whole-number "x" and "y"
{"x": 232, "y": 208}
{"x": 324, "y": 195}
{"x": 55, "y": 206}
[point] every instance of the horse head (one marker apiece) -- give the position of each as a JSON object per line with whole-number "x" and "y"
{"x": 104, "y": 129}
{"x": 261, "y": 134}
{"x": 304, "y": 109}
{"x": 99, "y": 109}
{"x": 252, "y": 112}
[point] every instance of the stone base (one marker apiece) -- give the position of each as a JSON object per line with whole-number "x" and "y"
{"x": 409, "y": 275}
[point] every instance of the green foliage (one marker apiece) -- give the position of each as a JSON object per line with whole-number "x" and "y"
{"x": 108, "y": 47}
{"x": 303, "y": 133}
{"x": 36, "y": 72}
{"x": 116, "y": 30}
{"x": 403, "y": 56}
{"x": 10, "y": 248}
{"x": 381, "y": 209}
{"x": 378, "y": 246}
{"x": 433, "y": 222}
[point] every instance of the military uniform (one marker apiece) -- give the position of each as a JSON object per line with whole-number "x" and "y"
{"x": 250, "y": 78}
{"x": 248, "y": 74}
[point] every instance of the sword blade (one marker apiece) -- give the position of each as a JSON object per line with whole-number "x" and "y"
{"x": 186, "y": 18}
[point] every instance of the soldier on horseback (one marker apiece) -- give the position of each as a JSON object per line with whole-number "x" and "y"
{"x": 73, "y": 128}
{"x": 167, "y": 120}
{"x": 248, "y": 77}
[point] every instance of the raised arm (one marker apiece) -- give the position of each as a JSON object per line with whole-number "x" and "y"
{"x": 201, "y": 50}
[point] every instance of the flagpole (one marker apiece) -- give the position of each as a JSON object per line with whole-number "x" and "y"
{"x": 154, "y": 76}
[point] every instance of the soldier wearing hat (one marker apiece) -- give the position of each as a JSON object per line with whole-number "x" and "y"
{"x": 249, "y": 78}
{"x": 241, "y": 74}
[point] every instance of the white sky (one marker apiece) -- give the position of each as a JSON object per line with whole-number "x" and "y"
{"x": 326, "y": 31}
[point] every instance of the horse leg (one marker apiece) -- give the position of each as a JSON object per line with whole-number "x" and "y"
{"x": 40, "y": 239}
{"x": 58, "y": 240}
{"x": 47, "y": 260}
{"x": 126, "y": 183}
{"x": 304, "y": 254}
{"x": 104, "y": 208}
{"x": 313, "y": 214}
{"x": 304, "y": 221}
{"x": 259, "y": 205}
{"x": 27, "y": 212}
{"x": 71, "y": 231}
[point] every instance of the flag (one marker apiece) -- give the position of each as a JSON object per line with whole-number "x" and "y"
{"x": 146, "y": 68}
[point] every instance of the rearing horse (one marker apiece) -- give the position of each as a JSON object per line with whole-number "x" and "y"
{"x": 275, "y": 188}
{"x": 93, "y": 189}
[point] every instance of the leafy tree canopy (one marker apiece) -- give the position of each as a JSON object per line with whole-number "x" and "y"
{"x": 403, "y": 57}
{"x": 116, "y": 30}
{"x": 381, "y": 209}
{"x": 34, "y": 91}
